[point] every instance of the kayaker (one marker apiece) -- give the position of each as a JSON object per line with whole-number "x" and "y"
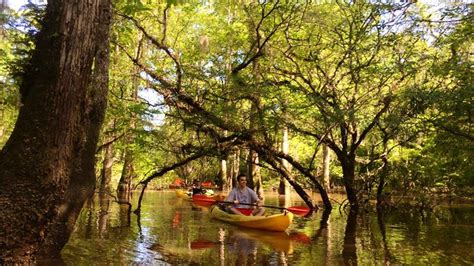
{"x": 197, "y": 189}
{"x": 244, "y": 194}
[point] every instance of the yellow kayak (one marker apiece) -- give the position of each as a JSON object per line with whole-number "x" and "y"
{"x": 182, "y": 194}
{"x": 277, "y": 222}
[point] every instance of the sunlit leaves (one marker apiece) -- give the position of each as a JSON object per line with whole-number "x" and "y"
{"x": 356, "y": 73}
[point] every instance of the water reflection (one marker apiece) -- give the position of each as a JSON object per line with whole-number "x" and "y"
{"x": 248, "y": 246}
{"x": 104, "y": 203}
{"x": 244, "y": 247}
{"x": 349, "y": 251}
{"x": 89, "y": 213}
{"x": 175, "y": 232}
{"x": 388, "y": 258}
{"x": 278, "y": 241}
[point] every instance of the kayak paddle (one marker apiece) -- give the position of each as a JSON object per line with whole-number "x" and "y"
{"x": 298, "y": 210}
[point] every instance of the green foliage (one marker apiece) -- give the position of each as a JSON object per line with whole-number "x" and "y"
{"x": 16, "y": 33}
{"x": 336, "y": 65}
{"x": 369, "y": 79}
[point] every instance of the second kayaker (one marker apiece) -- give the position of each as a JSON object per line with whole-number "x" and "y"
{"x": 196, "y": 188}
{"x": 244, "y": 194}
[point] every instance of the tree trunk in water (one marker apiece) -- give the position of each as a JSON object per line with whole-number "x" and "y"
{"x": 253, "y": 171}
{"x": 38, "y": 166}
{"x": 223, "y": 171}
{"x": 284, "y": 187}
{"x": 326, "y": 164}
{"x": 104, "y": 204}
{"x": 106, "y": 172}
{"x": 255, "y": 180}
{"x": 349, "y": 250}
{"x": 383, "y": 174}
{"x": 83, "y": 179}
{"x": 233, "y": 171}
{"x": 251, "y": 157}
{"x": 124, "y": 185}
{"x": 348, "y": 172}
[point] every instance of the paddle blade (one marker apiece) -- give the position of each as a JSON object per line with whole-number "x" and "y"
{"x": 299, "y": 210}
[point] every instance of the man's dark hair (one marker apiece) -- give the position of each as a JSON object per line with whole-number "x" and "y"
{"x": 240, "y": 176}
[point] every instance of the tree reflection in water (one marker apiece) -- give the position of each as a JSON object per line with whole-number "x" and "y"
{"x": 349, "y": 251}
{"x": 388, "y": 258}
{"x": 245, "y": 248}
{"x": 171, "y": 231}
{"x": 104, "y": 203}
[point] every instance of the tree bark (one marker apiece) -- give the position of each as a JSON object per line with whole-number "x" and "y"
{"x": 233, "y": 171}
{"x": 106, "y": 172}
{"x": 124, "y": 185}
{"x": 223, "y": 172}
{"x": 83, "y": 179}
{"x": 348, "y": 172}
{"x": 253, "y": 172}
{"x": 326, "y": 164}
{"x": 284, "y": 187}
{"x": 39, "y": 160}
{"x": 381, "y": 184}
{"x": 349, "y": 250}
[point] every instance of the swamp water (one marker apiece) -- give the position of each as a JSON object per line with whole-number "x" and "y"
{"x": 172, "y": 231}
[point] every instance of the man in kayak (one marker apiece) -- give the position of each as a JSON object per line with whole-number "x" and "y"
{"x": 245, "y": 195}
{"x": 197, "y": 189}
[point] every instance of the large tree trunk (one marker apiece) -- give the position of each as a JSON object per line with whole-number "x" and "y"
{"x": 38, "y": 160}
{"x": 349, "y": 250}
{"x": 348, "y": 175}
{"x": 82, "y": 183}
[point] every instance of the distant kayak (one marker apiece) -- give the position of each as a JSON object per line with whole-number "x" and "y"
{"x": 183, "y": 194}
{"x": 277, "y": 222}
